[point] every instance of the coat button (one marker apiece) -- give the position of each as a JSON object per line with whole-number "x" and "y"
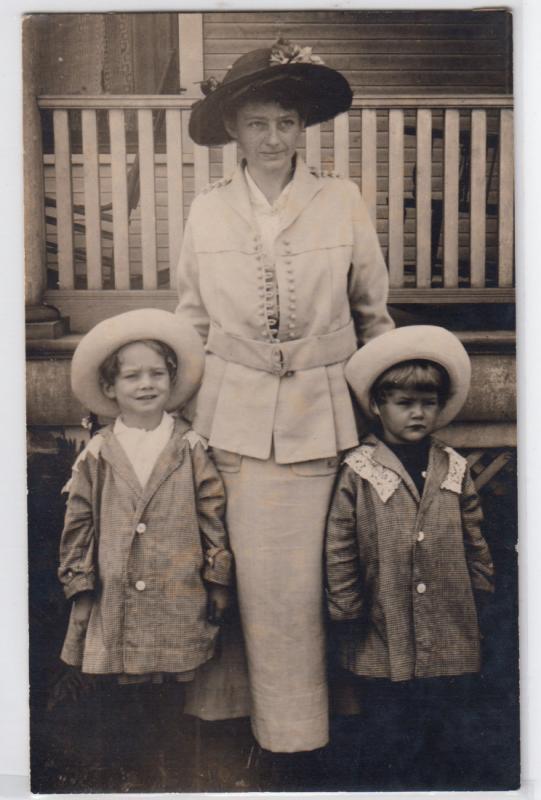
{"x": 289, "y": 374}
{"x": 141, "y": 528}
{"x": 421, "y": 588}
{"x": 140, "y": 586}
{"x": 420, "y": 536}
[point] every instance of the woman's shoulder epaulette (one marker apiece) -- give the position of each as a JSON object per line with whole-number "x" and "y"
{"x": 92, "y": 448}
{"x": 324, "y": 173}
{"x": 216, "y": 185}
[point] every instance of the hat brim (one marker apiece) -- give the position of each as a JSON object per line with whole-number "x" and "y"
{"x": 427, "y": 342}
{"x": 115, "y": 332}
{"x": 326, "y": 91}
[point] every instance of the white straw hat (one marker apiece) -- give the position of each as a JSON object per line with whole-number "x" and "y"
{"x": 115, "y": 332}
{"x": 427, "y": 342}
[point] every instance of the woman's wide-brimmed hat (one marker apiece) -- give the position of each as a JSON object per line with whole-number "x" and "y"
{"x": 426, "y": 342}
{"x": 325, "y": 91}
{"x": 115, "y": 332}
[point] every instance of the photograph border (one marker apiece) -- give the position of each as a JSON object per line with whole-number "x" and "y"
{"x": 527, "y": 72}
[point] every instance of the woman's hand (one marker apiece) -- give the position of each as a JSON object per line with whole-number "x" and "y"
{"x": 219, "y": 600}
{"x": 82, "y": 606}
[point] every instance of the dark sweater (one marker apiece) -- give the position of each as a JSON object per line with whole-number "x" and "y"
{"x": 414, "y": 457}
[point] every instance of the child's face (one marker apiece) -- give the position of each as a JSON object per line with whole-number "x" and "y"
{"x": 407, "y": 415}
{"x": 142, "y": 386}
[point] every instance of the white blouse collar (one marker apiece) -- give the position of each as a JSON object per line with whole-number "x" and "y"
{"x": 166, "y": 426}
{"x": 258, "y": 198}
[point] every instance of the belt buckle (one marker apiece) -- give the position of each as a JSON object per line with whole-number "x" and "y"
{"x": 279, "y": 365}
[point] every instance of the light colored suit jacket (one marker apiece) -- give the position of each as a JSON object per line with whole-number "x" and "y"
{"x": 329, "y": 269}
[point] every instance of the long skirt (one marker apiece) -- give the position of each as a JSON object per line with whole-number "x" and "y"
{"x": 276, "y": 519}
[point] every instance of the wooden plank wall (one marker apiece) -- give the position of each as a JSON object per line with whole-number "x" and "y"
{"x": 454, "y": 52}
{"x": 458, "y": 52}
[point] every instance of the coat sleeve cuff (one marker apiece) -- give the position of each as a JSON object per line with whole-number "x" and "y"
{"x": 218, "y": 566}
{"x": 78, "y": 583}
{"x": 349, "y": 609}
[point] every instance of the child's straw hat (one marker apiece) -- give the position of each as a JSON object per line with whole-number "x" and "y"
{"x": 427, "y": 342}
{"x": 115, "y": 332}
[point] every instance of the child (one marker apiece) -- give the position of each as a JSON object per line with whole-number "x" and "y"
{"x": 405, "y": 556}
{"x": 143, "y": 555}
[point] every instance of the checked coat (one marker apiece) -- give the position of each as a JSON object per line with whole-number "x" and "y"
{"x": 405, "y": 566}
{"x": 144, "y": 553}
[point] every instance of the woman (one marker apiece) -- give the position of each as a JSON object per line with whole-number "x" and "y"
{"x": 282, "y": 275}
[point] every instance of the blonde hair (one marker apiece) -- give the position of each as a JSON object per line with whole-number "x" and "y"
{"x": 418, "y": 374}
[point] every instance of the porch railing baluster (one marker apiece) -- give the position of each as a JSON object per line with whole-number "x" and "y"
{"x": 369, "y": 159}
{"x": 92, "y": 199}
{"x": 424, "y": 197}
{"x": 64, "y": 201}
{"x": 313, "y": 147}
{"x": 396, "y": 197}
{"x": 201, "y": 167}
{"x": 505, "y": 205}
{"x": 148, "y": 199}
{"x": 451, "y": 160}
{"x": 478, "y": 197}
{"x": 175, "y": 185}
{"x": 229, "y": 159}
{"x": 341, "y": 145}
{"x": 119, "y": 185}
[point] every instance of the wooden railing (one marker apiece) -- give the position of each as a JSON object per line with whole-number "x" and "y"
{"x": 435, "y": 171}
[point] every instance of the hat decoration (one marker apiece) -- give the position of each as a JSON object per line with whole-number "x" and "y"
{"x": 326, "y": 90}
{"x": 285, "y": 52}
{"x": 282, "y": 52}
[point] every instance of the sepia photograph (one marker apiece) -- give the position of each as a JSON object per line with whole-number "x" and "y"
{"x": 271, "y": 401}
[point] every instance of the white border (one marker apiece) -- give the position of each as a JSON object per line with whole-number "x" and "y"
{"x": 13, "y": 556}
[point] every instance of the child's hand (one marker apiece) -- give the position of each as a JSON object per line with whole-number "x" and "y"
{"x": 218, "y": 603}
{"x": 82, "y": 606}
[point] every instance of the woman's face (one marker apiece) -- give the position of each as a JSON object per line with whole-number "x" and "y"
{"x": 268, "y": 136}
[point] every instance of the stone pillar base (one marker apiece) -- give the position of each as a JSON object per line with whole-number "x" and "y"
{"x": 45, "y": 322}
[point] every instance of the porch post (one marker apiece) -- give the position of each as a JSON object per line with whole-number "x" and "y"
{"x": 34, "y": 218}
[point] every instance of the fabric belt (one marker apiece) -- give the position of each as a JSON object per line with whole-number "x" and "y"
{"x": 281, "y": 358}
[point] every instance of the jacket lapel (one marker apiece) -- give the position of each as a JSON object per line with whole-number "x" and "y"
{"x": 236, "y": 194}
{"x": 113, "y": 453}
{"x": 305, "y": 187}
{"x": 438, "y": 468}
{"x": 170, "y": 458}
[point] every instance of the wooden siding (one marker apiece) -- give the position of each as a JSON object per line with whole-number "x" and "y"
{"x": 379, "y": 51}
